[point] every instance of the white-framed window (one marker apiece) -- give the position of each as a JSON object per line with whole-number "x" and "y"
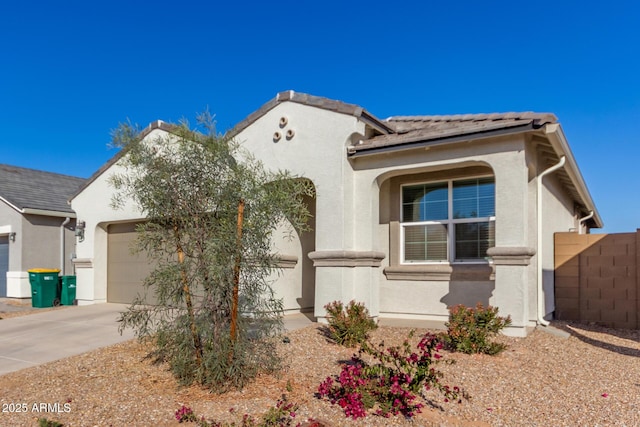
{"x": 448, "y": 221}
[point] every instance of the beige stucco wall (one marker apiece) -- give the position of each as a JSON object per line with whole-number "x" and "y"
{"x": 93, "y": 206}
{"x": 429, "y": 298}
{"x": 295, "y": 283}
{"x": 43, "y": 237}
{"x": 317, "y": 152}
{"x": 349, "y": 218}
{"x": 354, "y": 240}
{"x": 557, "y": 216}
{"x": 506, "y": 159}
{"x": 37, "y": 245}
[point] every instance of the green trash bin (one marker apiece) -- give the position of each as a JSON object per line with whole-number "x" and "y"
{"x": 68, "y": 290}
{"x": 44, "y": 287}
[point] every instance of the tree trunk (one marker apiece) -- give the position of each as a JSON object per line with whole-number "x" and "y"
{"x": 187, "y": 297}
{"x": 236, "y": 272}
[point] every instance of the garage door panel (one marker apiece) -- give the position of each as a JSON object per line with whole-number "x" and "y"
{"x": 126, "y": 271}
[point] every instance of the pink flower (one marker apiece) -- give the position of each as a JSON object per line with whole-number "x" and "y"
{"x": 605, "y": 395}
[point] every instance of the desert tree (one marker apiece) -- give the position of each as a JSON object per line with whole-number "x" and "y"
{"x": 212, "y": 213}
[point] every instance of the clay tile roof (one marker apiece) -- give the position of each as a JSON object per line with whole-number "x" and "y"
{"x": 403, "y": 123}
{"x": 312, "y": 101}
{"x": 412, "y": 129}
{"x": 33, "y": 189}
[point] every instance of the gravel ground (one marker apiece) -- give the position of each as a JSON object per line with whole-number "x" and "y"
{"x": 13, "y": 308}
{"x": 589, "y": 379}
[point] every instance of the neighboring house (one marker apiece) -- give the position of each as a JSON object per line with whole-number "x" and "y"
{"x": 36, "y": 225}
{"x": 412, "y": 214}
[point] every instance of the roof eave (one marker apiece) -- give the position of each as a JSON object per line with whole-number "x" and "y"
{"x": 558, "y": 140}
{"x": 34, "y": 211}
{"x": 11, "y": 205}
{"x": 353, "y": 152}
{"x": 376, "y": 123}
{"x": 312, "y": 101}
{"x": 158, "y": 124}
{"x": 45, "y": 212}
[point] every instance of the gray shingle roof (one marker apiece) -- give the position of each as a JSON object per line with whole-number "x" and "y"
{"x": 33, "y": 189}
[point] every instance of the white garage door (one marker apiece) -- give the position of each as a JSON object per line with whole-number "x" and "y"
{"x": 125, "y": 271}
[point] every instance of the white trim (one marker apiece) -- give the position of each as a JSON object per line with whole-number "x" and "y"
{"x": 44, "y": 212}
{"x": 5, "y": 229}
{"x": 10, "y": 204}
{"x": 539, "y": 260}
{"x": 558, "y": 140}
{"x": 451, "y": 233}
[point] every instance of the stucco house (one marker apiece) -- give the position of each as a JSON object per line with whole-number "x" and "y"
{"x": 36, "y": 225}
{"x": 412, "y": 214}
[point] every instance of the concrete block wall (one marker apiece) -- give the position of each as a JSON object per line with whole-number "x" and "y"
{"x": 597, "y": 278}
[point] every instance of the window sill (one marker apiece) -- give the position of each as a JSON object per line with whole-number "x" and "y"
{"x": 441, "y": 272}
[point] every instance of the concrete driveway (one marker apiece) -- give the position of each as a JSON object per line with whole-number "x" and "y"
{"x": 33, "y": 339}
{"x": 38, "y": 338}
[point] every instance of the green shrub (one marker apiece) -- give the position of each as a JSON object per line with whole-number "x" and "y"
{"x": 43, "y": 422}
{"x": 350, "y": 325}
{"x": 470, "y": 330}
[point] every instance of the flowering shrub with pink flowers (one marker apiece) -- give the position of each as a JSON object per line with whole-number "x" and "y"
{"x": 281, "y": 415}
{"x": 391, "y": 383}
{"x": 185, "y": 414}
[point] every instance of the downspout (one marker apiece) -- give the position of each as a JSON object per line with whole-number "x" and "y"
{"x": 62, "y": 257}
{"x": 583, "y": 219}
{"x": 552, "y": 169}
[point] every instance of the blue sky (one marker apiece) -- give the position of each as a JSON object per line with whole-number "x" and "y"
{"x": 71, "y": 71}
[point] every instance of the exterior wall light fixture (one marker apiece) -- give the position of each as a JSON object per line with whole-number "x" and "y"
{"x": 80, "y": 226}
{"x": 12, "y": 236}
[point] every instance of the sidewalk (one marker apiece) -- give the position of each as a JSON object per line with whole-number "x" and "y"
{"x": 41, "y": 337}
{"x": 37, "y": 338}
